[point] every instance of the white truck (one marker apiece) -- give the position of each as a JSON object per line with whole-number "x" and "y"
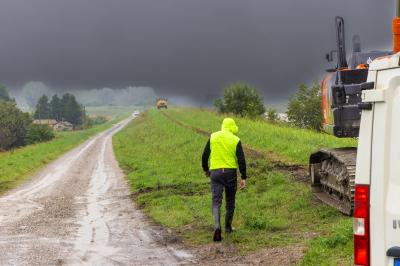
{"x": 377, "y": 183}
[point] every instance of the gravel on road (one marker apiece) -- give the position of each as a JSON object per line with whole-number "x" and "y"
{"x": 78, "y": 211}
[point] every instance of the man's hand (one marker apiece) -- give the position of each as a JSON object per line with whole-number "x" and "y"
{"x": 242, "y": 183}
{"x": 207, "y": 173}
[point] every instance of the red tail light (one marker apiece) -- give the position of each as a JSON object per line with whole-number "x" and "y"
{"x": 361, "y": 226}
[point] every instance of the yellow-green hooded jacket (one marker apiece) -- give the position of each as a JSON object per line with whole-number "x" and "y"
{"x": 223, "y": 146}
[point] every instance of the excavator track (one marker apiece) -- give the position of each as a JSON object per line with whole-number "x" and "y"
{"x": 332, "y": 174}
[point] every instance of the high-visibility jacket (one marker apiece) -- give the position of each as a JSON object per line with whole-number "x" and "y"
{"x": 223, "y": 146}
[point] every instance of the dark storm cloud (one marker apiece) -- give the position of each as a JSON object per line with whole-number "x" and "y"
{"x": 180, "y": 47}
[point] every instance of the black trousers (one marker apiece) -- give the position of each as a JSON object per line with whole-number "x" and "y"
{"x": 223, "y": 179}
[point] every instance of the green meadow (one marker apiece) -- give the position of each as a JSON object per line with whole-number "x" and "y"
{"x": 162, "y": 161}
{"x": 290, "y": 144}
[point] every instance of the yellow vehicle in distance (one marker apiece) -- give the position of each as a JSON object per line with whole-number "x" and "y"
{"x": 162, "y": 103}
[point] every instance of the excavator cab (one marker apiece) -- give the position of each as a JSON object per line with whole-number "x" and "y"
{"x": 341, "y": 94}
{"x": 342, "y": 86}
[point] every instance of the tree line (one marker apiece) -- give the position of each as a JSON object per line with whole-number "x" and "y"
{"x": 30, "y": 93}
{"x": 17, "y": 128}
{"x": 304, "y": 108}
{"x": 65, "y": 108}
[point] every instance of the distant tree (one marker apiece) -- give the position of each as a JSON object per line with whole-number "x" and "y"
{"x": 43, "y": 110}
{"x": 272, "y": 115}
{"x": 4, "y": 95}
{"x": 73, "y": 112}
{"x": 13, "y": 125}
{"x": 304, "y": 108}
{"x": 56, "y": 108}
{"x": 241, "y": 99}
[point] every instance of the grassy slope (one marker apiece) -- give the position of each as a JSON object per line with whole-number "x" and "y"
{"x": 293, "y": 144}
{"x": 16, "y": 166}
{"x": 162, "y": 161}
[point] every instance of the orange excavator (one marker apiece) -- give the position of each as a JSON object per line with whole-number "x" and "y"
{"x": 333, "y": 171}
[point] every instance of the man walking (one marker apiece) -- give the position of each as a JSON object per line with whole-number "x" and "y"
{"x": 225, "y": 153}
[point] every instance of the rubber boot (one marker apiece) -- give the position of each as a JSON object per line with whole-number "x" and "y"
{"x": 217, "y": 235}
{"x": 228, "y": 221}
{"x": 217, "y": 225}
{"x": 217, "y": 219}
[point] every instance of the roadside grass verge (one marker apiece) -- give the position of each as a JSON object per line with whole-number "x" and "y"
{"x": 292, "y": 145}
{"x": 18, "y": 165}
{"x": 162, "y": 162}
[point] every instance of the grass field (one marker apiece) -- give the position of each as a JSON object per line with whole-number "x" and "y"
{"x": 16, "y": 166}
{"x": 162, "y": 162}
{"x": 291, "y": 144}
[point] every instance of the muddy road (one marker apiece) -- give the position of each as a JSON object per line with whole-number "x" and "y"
{"x": 78, "y": 211}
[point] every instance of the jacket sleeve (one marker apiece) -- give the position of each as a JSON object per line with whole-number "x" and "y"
{"x": 206, "y": 156}
{"x": 241, "y": 160}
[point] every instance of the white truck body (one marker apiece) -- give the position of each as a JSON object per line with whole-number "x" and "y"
{"x": 378, "y": 159}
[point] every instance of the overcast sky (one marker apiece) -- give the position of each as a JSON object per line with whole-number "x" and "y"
{"x": 187, "y": 48}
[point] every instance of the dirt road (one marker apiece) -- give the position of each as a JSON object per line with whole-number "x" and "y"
{"x": 78, "y": 211}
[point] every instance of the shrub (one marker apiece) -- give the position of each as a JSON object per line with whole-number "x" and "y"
{"x": 272, "y": 115}
{"x": 304, "y": 108}
{"x": 13, "y": 125}
{"x": 39, "y": 133}
{"x": 241, "y": 99}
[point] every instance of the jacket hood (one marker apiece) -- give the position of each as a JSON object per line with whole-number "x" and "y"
{"x": 229, "y": 125}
